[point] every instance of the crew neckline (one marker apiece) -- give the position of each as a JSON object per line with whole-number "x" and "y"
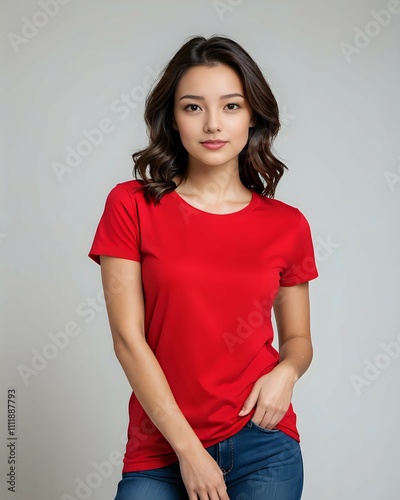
{"x": 247, "y": 208}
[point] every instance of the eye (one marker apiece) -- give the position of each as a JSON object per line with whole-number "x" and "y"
{"x": 191, "y": 106}
{"x": 233, "y": 104}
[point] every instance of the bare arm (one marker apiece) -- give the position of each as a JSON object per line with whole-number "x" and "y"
{"x": 122, "y": 284}
{"x": 292, "y": 315}
{"x": 273, "y": 392}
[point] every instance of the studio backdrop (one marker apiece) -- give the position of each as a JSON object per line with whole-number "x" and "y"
{"x": 75, "y": 75}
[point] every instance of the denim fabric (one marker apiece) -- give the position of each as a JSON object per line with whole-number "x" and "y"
{"x": 257, "y": 464}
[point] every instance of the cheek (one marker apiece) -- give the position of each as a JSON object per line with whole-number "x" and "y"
{"x": 183, "y": 135}
{"x": 242, "y": 129}
{"x": 186, "y": 139}
{"x": 187, "y": 130}
{"x": 241, "y": 125}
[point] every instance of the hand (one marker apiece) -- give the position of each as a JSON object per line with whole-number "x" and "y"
{"x": 202, "y": 476}
{"x": 272, "y": 393}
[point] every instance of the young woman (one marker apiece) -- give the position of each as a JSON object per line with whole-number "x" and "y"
{"x": 195, "y": 252}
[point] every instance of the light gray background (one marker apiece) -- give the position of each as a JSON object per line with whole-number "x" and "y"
{"x": 340, "y": 142}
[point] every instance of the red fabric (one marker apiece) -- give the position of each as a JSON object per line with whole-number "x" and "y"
{"x": 209, "y": 282}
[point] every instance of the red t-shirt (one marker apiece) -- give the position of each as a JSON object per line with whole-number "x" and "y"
{"x": 209, "y": 282}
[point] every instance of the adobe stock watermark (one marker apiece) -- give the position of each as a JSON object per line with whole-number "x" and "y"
{"x": 372, "y": 29}
{"x": 325, "y": 248}
{"x": 223, "y": 7}
{"x": 101, "y": 471}
{"x": 49, "y": 9}
{"x": 85, "y": 487}
{"x": 390, "y": 351}
{"x": 92, "y": 482}
{"x": 285, "y": 118}
{"x": 122, "y": 106}
{"x": 87, "y": 309}
{"x": 245, "y": 327}
{"x": 392, "y": 178}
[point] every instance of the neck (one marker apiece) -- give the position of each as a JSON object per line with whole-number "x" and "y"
{"x": 213, "y": 182}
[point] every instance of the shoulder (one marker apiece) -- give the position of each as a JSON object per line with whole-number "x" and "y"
{"x": 127, "y": 190}
{"x": 130, "y": 187}
{"x": 281, "y": 209}
{"x": 284, "y": 215}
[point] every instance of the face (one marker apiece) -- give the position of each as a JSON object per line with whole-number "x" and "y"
{"x": 209, "y": 105}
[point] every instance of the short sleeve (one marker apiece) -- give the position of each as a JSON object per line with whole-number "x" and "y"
{"x": 301, "y": 265}
{"x": 117, "y": 232}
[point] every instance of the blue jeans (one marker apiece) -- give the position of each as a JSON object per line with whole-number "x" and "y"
{"x": 257, "y": 464}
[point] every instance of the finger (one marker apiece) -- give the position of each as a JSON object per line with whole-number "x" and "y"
{"x": 270, "y": 423}
{"x": 219, "y": 493}
{"x": 259, "y": 416}
{"x": 267, "y": 420}
{"x": 223, "y": 493}
{"x": 250, "y": 401}
{"x": 203, "y": 496}
{"x": 214, "y": 496}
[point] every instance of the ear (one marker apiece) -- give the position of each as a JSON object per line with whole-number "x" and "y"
{"x": 252, "y": 122}
{"x": 175, "y": 126}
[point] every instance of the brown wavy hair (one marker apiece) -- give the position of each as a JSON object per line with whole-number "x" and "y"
{"x": 165, "y": 155}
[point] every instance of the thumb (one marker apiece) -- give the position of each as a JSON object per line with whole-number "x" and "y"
{"x": 250, "y": 402}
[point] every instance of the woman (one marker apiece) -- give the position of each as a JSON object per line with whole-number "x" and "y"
{"x": 194, "y": 254}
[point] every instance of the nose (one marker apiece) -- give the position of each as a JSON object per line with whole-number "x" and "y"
{"x": 212, "y": 123}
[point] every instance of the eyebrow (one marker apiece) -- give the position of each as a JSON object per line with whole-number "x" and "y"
{"x": 201, "y": 98}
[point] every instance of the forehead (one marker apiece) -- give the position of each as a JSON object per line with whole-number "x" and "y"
{"x": 203, "y": 80}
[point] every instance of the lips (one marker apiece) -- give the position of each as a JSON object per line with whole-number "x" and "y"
{"x": 213, "y": 142}
{"x": 213, "y": 145}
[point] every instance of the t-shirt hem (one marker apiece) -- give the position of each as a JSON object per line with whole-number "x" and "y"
{"x": 130, "y": 466}
{"x": 95, "y": 255}
{"x": 169, "y": 459}
{"x": 153, "y": 464}
{"x": 289, "y": 432}
{"x": 299, "y": 279}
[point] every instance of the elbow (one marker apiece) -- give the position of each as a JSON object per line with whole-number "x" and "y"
{"x": 127, "y": 343}
{"x": 120, "y": 349}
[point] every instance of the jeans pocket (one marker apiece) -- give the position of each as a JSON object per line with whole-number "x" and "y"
{"x": 267, "y": 431}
